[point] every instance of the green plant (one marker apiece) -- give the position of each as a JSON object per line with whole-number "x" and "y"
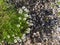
{"x": 13, "y": 22}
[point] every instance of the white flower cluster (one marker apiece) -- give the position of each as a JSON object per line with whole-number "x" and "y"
{"x": 25, "y": 9}
{"x": 24, "y": 37}
{"x": 17, "y": 39}
{"x": 26, "y": 16}
{"x": 29, "y": 23}
{"x": 20, "y": 10}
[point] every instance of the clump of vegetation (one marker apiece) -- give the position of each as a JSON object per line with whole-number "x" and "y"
{"x": 13, "y": 22}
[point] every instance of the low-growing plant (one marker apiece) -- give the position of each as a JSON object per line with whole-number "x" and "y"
{"x": 13, "y": 22}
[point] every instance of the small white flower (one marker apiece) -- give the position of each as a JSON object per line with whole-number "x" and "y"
{"x": 23, "y": 37}
{"x": 18, "y": 39}
{"x": 20, "y": 11}
{"x": 23, "y": 7}
{"x": 18, "y": 25}
{"x": 29, "y": 16}
{"x": 30, "y": 24}
{"x": 28, "y": 30}
{"x": 24, "y": 18}
{"x": 27, "y": 22}
{"x": 26, "y": 10}
{"x": 26, "y": 15}
{"x": 15, "y": 41}
{"x": 30, "y": 21}
{"x": 8, "y": 36}
{"x": 13, "y": 35}
{"x": 19, "y": 18}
